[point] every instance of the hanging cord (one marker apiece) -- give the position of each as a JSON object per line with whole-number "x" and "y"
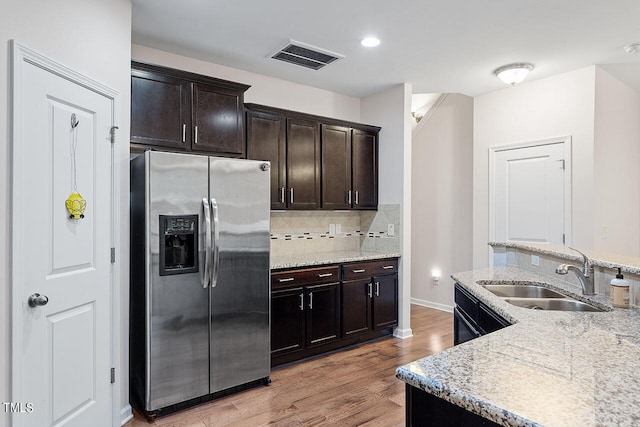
{"x": 74, "y": 146}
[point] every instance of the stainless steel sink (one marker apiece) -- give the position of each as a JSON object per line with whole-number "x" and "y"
{"x": 523, "y": 291}
{"x": 565, "y": 304}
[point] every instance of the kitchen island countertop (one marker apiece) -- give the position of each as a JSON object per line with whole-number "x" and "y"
{"x": 549, "y": 368}
{"x": 324, "y": 258}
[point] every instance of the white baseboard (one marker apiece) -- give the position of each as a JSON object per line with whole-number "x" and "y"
{"x": 125, "y": 415}
{"x": 402, "y": 333}
{"x": 431, "y": 304}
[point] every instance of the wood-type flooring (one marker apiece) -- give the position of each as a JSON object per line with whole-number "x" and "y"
{"x": 354, "y": 387}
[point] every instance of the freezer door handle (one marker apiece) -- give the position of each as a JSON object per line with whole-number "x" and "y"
{"x": 206, "y": 272}
{"x": 215, "y": 244}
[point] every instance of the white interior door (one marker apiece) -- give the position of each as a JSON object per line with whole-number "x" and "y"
{"x": 529, "y": 194}
{"x": 62, "y": 355}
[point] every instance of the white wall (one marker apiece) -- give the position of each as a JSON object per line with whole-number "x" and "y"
{"x": 264, "y": 89}
{"x": 441, "y": 202}
{"x": 94, "y": 38}
{"x": 617, "y": 166}
{"x": 555, "y": 106}
{"x": 391, "y": 109}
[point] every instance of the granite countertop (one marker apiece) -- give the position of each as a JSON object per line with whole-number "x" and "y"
{"x": 628, "y": 264}
{"x": 323, "y": 258}
{"x": 549, "y": 368}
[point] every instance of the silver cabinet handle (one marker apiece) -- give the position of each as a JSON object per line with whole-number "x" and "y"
{"x": 184, "y": 132}
{"x": 206, "y": 271}
{"x": 325, "y": 275}
{"x": 359, "y": 271}
{"x": 37, "y": 300}
{"x": 301, "y": 302}
{"x": 357, "y": 197}
{"x": 310, "y": 300}
{"x": 291, "y": 195}
{"x": 215, "y": 245}
{"x": 349, "y": 197}
{"x": 387, "y": 267}
{"x": 370, "y": 290}
{"x": 282, "y": 195}
{"x": 287, "y": 279}
{"x": 377, "y": 289}
{"x": 195, "y": 133}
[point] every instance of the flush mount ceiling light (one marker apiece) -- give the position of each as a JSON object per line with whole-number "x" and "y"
{"x": 632, "y": 48}
{"x": 370, "y": 42}
{"x": 513, "y": 74}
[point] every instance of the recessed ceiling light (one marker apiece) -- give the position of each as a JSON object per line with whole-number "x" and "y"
{"x": 370, "y": 42}
{"x": 513, "y": 74}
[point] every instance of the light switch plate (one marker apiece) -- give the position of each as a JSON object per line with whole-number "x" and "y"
{"x": 535, "y": 260}
{"x": 338, "y": 228}
{"x": 332, "y": 229}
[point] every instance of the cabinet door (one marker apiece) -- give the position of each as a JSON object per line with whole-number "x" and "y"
{"x": 323, "y": 314}
{"x": 159, "y": 110}
{"x": 218, "y": 124}
{"x": 385, "y": 301}
{"x": 287, "y": 321}
{"x": 266, "y": 140}
{"x": 336, "y": 167}
{"x": 356, "y": 307}
{"x": 365, "y": 169}
{"x": 303, "y": 164}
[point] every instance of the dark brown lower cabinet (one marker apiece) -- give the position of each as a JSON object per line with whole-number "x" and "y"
{"x": 287, "y": 321}
{"x": 425, "y": 409}
{"x": 314, "y": 310}
{"x": 370, "y": 296}
{"x": 322, "y": 314}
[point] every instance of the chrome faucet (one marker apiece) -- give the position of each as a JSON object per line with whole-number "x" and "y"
{"x": 585, "y": 276}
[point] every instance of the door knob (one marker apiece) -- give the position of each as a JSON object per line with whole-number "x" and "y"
{"x": 36, "y": 300}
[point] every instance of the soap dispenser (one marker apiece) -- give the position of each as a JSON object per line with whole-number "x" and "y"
{"x": 620, "y": 291}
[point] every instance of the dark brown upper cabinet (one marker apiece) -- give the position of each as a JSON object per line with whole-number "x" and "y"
{"x": 267, "y": 140}
{"x": 316, "y": 162}
{"x": 336, "y": 167}
{"x": 177, "y": 110}
{"x": 364, "y": 172}
{"x": 303, "y": 164}
{"x": 349, "y": 168}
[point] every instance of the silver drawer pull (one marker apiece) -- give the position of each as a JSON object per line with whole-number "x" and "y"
{"x": 387, "y": 267}
{"x": 288, "y": 279}
{"x": 325, "y": 275}
{"x": 359, "y": 271}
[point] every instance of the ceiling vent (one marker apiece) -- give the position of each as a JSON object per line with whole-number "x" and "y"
{"x": 305, "y": 55}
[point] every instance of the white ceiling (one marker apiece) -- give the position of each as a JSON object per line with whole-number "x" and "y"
{"x": 438, "y": 46}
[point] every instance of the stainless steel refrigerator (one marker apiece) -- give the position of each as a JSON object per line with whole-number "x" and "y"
{"x": 200, "y": 283}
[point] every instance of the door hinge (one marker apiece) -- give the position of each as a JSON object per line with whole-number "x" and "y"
{"x": 563, "y": 238}
{"x": 561, "y": 163}
{"x": 113, "y": 375}
{"x": 112, "y": 134}
{"x": 113, "y": 255}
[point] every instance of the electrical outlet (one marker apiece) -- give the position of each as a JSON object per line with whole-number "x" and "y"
{"x": 338, "y": 228}
{"x": 605, "y": 231}
{"x": 332, "y": 229}
{"x": 535, "y": 260}
{"x": 391, "y": 230}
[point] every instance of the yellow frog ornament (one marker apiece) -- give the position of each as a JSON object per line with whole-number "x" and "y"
{"x": 76, "y": 205}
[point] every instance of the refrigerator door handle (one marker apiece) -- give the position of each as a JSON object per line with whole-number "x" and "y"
{"x": 215, "y": 246}
{"x": 206, "y": 272}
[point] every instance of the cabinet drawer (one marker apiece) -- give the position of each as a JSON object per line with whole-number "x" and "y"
{"x": 305, "y": 276}
{"x": 358, "y": 270}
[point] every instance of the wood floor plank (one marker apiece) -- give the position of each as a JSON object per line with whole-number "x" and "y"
{"x": 353, "y": 387}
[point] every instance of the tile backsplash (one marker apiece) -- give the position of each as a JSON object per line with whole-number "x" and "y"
{"x": 294, "y": 232}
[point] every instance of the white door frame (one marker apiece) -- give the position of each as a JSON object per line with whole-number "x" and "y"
{"x": 566, "y": 142}
{"x": 22, "y": 55}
